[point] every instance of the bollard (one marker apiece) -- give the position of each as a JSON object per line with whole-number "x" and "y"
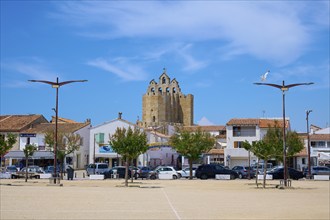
{"x": 84, "y": 175}
{"x": 75, "y": 175}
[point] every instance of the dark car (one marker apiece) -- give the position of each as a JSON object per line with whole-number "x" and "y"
{"x": 278, "y": 173}
{"x": 243, "y": 171}
{"x": 50, "y": 169}
{"x": 210, "y": 170}
{"x": 318, "y": 170}
{"x": 144, "y": 172}
{"x": 119, "y": 171}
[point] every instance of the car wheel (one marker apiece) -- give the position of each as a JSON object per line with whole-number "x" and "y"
{"x": 153, "y": 177}
{"x": 203, "y": 176}
{"x": 232, "y": 176}
{"x": 179, "y": 175}
{"x": 240, "y": 176}
{"x": 175, "y": 177}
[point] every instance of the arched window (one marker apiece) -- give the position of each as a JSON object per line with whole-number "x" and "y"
{"x": 174, "y": 90}
{"x": 152, "y": 89}
{"x": 160, "y": 90}
{"x": 163, "y": 80}
{"x": 167, "y": 90}
{"x": 153, "y": 118}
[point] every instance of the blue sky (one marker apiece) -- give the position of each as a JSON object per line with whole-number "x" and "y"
{"x": 215, "y": 49}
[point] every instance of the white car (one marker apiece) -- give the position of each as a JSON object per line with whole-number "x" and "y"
{"x": 186, "y": 172}
{"x": 164, "y": 172}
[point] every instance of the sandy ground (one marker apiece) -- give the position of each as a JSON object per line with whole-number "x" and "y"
{"x": 163, "y": 199}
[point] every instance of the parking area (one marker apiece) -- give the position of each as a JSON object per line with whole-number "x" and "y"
{"x": 162, "y": 199}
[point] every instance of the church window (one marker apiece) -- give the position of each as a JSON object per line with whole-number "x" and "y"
{"x": 152, "y": 89}
{"x": 167, "y": 90}
{"x": 163, "y": 80}
{"x": 174, "y": 90}
{"x": 160, "y": 90}
{"x": 153, "y": 118}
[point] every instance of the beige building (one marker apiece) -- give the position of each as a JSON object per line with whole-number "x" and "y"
{"x": 165, "y": 104}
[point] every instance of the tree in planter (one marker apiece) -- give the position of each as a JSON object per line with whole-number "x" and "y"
{"x": 129, "y": 144}
{"x": 192, "y": 144}
{"x": 28, "y": 152}
{"x": 6, "y": 144}
{"x": 67, "y": 144}
{"x": 272, "y": 146}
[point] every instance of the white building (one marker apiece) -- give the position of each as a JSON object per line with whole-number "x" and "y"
{"x": 159, "y": 152}
{"x": 320, "y": 146}
{"x": 35, "y": 134}
{"x": 239, "y": 130}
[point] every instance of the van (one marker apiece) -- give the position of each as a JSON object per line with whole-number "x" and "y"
{"x": 261, "y": 167}
{"x": 97, "y": 168}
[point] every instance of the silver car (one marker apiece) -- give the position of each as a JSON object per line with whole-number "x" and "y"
{"x": 97, "y": 168}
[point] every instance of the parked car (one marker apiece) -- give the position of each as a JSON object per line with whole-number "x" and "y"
{"x": 186, "y": 172}
{"x": 318, "y": 170}
{"x": 243, "y": 171}
{"x": 120, "y": 171}
{"x": 164, "y": 170}
{"x": 50, "y": 169}
{"x": 144, "y": 172}
{"x": 260, "y": 167}
{"x": 278, "y": 173}
{"x": 97, "y": 168}
{"x": 32, "y": 171}
{"x": 210, "y": 170}
{"x": 11, "y": 169}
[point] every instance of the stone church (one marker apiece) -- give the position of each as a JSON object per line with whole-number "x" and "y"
{"x": 164, "y": 104}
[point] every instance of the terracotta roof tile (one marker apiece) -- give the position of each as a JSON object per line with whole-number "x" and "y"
{"x": 16, "y": 123}
{"x": 262, "y": 123}
{"x": 205, "y": 128}
{"x": 62, "y": 127}
{"x": 319, "y": 137}
{"x": 216, "y": 151}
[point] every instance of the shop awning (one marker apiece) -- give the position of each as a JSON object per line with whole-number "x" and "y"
{"x": 37, "y": 155}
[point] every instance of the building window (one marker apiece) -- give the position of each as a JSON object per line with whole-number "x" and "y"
{"x": 152, "y": 89}
{"x": 246, "y": 131}
{"x": 167, "y": 90}
{"x": 163, "y": 80}
{"x": 153, "y": 118}
{"x": 238, "y": 144}
{"x": 160, "y": 90}
{"x": 303, "y": 160}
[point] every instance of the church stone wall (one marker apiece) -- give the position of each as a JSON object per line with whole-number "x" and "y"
{"x": 164, "y": 103}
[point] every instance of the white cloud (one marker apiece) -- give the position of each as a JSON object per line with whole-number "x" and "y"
{"x": 28, "y": 67}
{"x": 204, "y": 121}
{"x": 121, "y": 67}
{"x": 271, "y": 31}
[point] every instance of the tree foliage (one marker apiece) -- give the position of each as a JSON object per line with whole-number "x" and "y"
{"x": 28, "y": 152}
{"x": 192, "y": 144}
{"x": 7, "y": 143}
{"x": 271, "y": 146}
{"x": 129, "y": 144}
{"x": 67, "y": 144}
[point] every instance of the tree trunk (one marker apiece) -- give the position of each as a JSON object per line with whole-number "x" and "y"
{"x": 26, "y": 168}
{"x": 257, "y": 172}
{"x": 265, "y": 168}
{"x": 132, "y": 172}
{"x": 126, "y": 173}
{"x": 190, "y": 169}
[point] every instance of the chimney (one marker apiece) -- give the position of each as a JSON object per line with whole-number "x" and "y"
{"x": 119, "y": 115}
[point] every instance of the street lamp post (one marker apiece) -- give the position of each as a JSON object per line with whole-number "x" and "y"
{"x": 308, "y": 145}
{"x": 56, "y": 85}
{"x": 284, "y": 88}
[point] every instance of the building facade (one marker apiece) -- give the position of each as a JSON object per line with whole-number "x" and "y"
{"x": 246, "y": 129}
{"x": 164, "y": 104}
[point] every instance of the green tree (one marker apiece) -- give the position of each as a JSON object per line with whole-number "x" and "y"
{"x": 271, "y": 146}
{"x": 6, "y": 144}
{"x": 192, "y": 144}
{"x": 28, "y": 152}
{"x": 67, "y": 144}
{"x": 129, "y": 144}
